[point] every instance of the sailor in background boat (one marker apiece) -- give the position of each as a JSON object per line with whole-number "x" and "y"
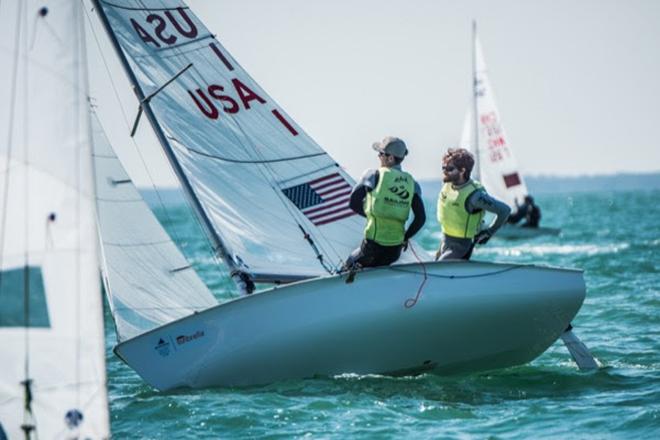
{"x": 385, "y": 197}
{"x": 528, "y": 211}
{"x": 461, "y": 206}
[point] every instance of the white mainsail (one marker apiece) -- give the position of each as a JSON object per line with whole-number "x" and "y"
{"x": 497, "y": 167}
{"x": 52, "y": 354}
{"x": 258, "y": 181}
{"x": 150, "y": 282}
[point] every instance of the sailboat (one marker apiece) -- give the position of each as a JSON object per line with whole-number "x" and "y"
{"x": 52, "y": 350}
{"x": 274, "y": 207}
{"x": 495, "y": 165}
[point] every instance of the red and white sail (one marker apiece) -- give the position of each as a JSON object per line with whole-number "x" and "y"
{"x": 498, "y": 170}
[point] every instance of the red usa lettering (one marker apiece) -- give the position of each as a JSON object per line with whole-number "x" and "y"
{"x": 214, "y": 92}
{"x": 157, "y": 29}
{"x": 214, "y": 99}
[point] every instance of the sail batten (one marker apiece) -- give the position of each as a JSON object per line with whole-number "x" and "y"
{"x": 240, "y": 157}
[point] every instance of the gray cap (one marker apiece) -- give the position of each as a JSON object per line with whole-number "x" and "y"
{"x": 391, "y": 145}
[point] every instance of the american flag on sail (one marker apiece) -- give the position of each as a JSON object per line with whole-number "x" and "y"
{"x": 323, "y": 200}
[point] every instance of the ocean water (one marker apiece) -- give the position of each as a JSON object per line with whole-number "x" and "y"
{"x": 613, "y": 236}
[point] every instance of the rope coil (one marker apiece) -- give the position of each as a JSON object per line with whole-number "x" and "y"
{"x": 410, "y": 302}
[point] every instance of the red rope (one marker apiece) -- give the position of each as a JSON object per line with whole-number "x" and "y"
{"x": 410, "y": 302}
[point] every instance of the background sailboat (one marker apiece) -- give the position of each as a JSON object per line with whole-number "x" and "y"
{"x": 495, "y": 165}
{"x": 52, "y": 356}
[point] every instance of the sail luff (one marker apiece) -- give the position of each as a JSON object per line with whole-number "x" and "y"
{"x": 208, "y": 228}
{"x": 475, "y": 105}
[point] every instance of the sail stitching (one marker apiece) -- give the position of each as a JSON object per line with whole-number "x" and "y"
{"x": 145, "y": 243}
{"x": 144, "y": 8}
{"x": 264, "y": 161}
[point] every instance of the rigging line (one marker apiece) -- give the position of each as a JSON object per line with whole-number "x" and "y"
{"x": 109, "y": 201}
{"x": 191, "y": 307}
{"x": 127, "y": 123}
{"x": 10, "y": 135}
{"x": 149, "y": 97}
{"x": 411, "y": 302}
{"x": 256, "y": 162}
{"x": 29, "y": 424}
{"x": 145, "y": 244}
{"x": 26, "y": 198}
{"x": 83, "y": 133}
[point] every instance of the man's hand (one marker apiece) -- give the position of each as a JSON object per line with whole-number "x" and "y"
{"x": 482, "y": 237}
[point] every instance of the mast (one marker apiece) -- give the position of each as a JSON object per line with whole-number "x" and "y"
{"x": 475, "y": 107}
{"x": 242, "y": 279}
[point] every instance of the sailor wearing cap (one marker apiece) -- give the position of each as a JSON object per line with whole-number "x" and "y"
{"x": 385, "y": 196}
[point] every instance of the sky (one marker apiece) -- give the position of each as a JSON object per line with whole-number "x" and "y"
{"x": 577, "y": 82}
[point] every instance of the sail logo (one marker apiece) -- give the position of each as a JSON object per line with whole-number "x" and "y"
{"x": 183, "y": 339}
{"x": 73, "y": 418}
{"x": 400, "y": 191}
{"x": 163, "y": 347}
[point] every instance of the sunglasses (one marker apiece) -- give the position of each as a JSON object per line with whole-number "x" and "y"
{"x": 380, "y": 154}
{"x": 449, "y": 168}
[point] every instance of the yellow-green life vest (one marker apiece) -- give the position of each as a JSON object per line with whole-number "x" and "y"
{"x": 454, "y": 218}
{"x": 388, "y": 205}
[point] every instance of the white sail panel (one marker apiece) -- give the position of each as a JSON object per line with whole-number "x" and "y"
{"x": 498, "y": 169}
{"x": 148, "y": 282}
{"x": 51, "y": 317}
{"x": 254, "y": 171}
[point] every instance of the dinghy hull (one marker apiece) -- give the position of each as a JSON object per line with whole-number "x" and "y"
{"x": 518, "y": 233}
{"x": 470, "y": 316}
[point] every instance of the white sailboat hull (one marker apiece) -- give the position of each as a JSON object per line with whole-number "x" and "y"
{"x": 517, "y": 232}
{"x": 471, "y": 316}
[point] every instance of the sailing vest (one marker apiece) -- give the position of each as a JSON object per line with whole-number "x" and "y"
{"x": 454, "y": 218}
{"x": 387, "y": 207}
